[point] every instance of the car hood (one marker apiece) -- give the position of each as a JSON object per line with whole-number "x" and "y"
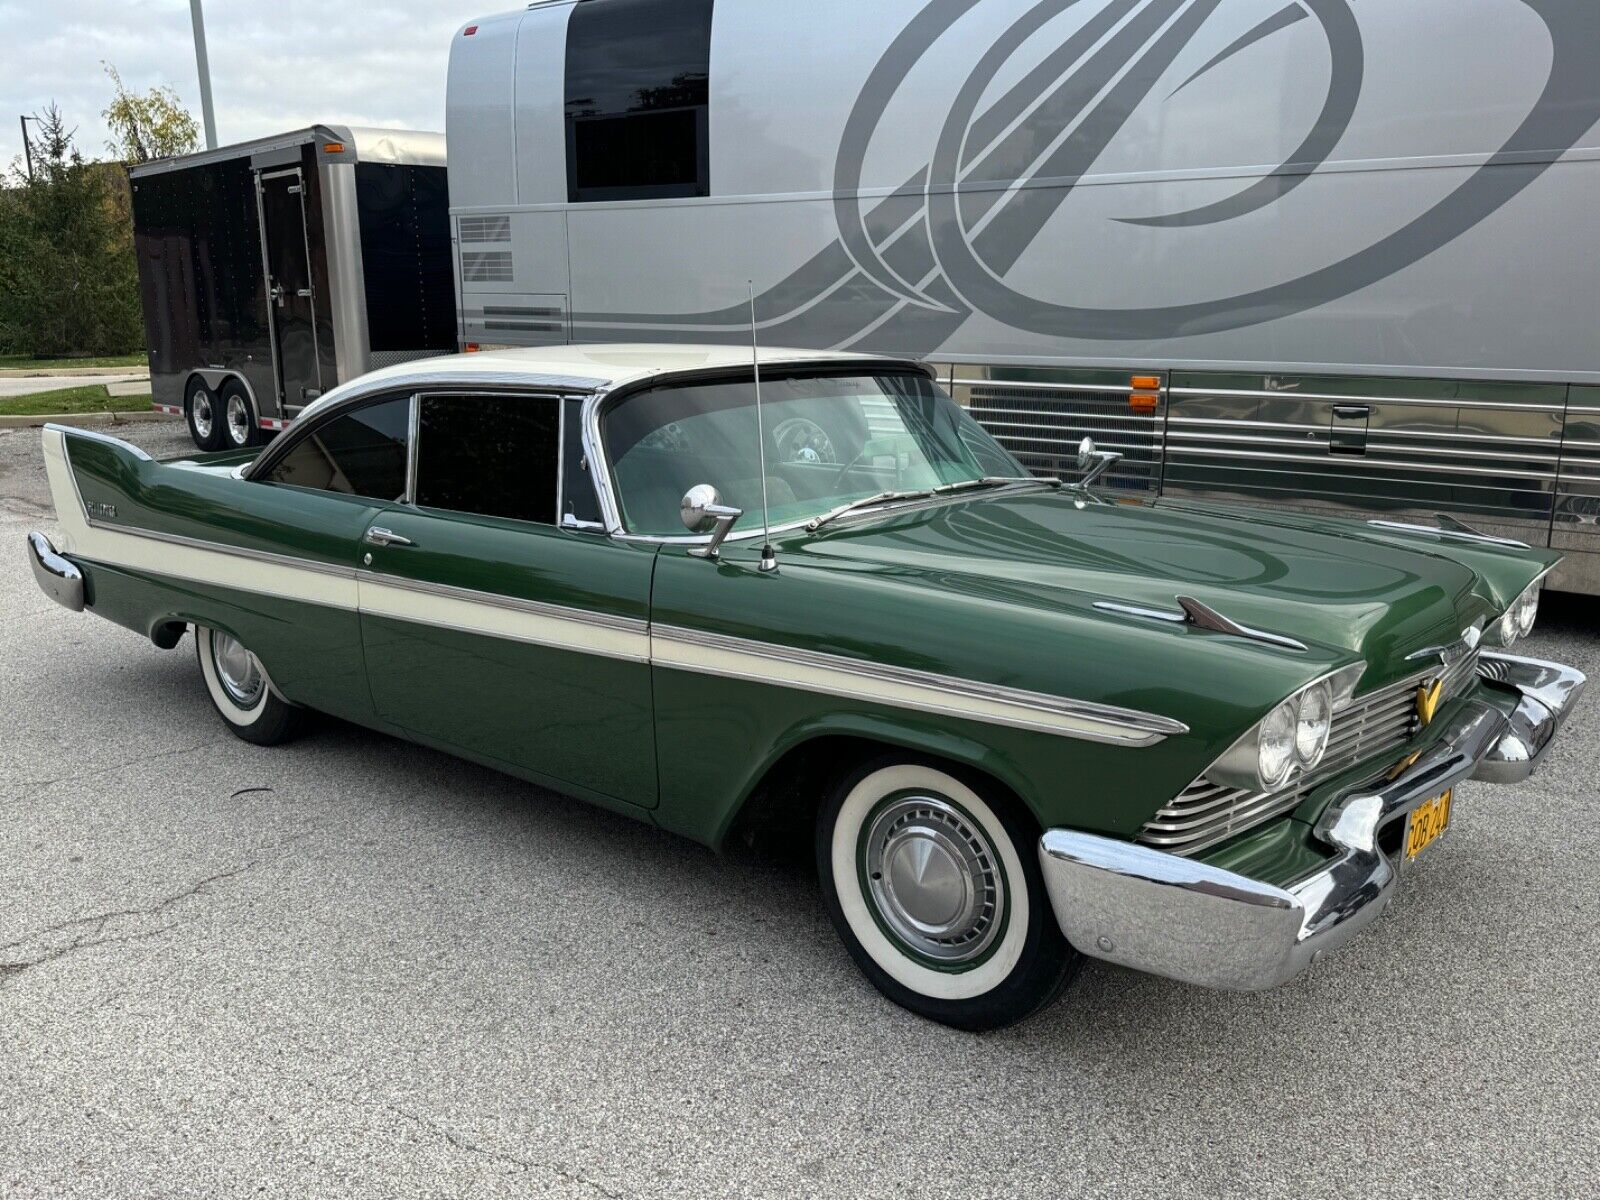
{"x": 1339, "y": 588}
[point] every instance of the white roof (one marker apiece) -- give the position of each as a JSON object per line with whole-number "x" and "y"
{"x": 594, "y": 367}
{"x": 412, "y": 147}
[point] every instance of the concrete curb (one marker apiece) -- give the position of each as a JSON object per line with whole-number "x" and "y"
{"x": 47, "y": 372}
{"x": 85, "y": 420}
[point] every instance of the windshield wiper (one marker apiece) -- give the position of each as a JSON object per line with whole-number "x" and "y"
{"x": 927, "y": 493}
{"x": 865, "y": 502}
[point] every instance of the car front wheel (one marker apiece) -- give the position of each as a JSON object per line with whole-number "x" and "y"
{"x": 241, "y": 692}
{"x": 933, "y": 884}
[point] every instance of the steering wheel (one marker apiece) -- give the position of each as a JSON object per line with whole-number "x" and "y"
{"x": 800, "y": 440}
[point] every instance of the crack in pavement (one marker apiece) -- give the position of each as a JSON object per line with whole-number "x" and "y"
{"x": 93, "y": 928}
{"x": 132, "y": 762}
{"x": 468, "y": 1146}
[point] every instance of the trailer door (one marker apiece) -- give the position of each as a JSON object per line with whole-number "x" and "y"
{"x": 290, "y": 302}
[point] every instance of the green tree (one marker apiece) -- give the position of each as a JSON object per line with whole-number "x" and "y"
{"x": 68, "y": 282}
{"x": 146, "y": 125}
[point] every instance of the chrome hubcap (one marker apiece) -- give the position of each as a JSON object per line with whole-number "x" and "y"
{"x": 237, "y": 669}
{"x": 238, "y": 420}
{"x": 935, "y": 879}
{"x": 203, "y": 417}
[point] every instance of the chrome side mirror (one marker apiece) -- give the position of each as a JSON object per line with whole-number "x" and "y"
{"x": 1093, "y": 462}
{"x": 703, "y": 511}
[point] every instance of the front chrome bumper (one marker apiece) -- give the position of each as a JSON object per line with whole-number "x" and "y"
{"x": 61, "y": 581}
{"x": 1173, "y": 916}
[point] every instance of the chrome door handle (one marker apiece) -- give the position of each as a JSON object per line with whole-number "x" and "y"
{"x": 378, "y": 536}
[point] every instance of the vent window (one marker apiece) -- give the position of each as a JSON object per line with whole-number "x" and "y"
{"x": 637, "y": 87}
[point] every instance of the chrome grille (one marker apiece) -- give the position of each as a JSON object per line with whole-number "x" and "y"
{"x": 1365, "y": 730}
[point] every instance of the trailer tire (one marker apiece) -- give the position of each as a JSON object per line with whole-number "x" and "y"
{"x": 202, "y": 409}
{"x": 240, "y": 429}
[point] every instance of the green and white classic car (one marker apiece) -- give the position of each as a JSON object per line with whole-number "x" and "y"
{"x": 1023, "y": 723}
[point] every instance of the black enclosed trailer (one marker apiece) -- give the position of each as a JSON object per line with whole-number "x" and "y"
{"x": 272, "y": 270}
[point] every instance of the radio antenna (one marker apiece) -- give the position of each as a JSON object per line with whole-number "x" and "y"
{"x": 769, "y": 558}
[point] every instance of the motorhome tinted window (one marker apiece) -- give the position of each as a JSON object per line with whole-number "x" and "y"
{"x": 636, "y": 92}
{"x": 491, "y": 455}
{"x": 362, "y": 453}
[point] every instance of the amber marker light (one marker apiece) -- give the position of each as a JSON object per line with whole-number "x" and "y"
{"x": 333, "y": 147}
{"x": 470, "y": 348}
{"x": 1146, "y": 394}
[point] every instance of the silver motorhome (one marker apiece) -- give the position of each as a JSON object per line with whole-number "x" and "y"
{"x": 1328, "y": 253}
{"x": 272, "y": 270}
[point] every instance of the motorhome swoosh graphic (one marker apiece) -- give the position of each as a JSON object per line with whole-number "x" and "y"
{"x": 907, "y": 269}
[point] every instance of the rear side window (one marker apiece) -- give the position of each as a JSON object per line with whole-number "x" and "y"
{"x": 491, "y": 455}
{"x": 362, "y": 453}
{"x": 637, "y": 73}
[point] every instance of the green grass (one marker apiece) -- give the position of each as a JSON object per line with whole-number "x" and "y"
{"x": 21, "y": 362}
{"x": 94, "y": 398}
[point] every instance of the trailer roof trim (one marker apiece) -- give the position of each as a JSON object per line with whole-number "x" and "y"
{"x": 409, "y": 147}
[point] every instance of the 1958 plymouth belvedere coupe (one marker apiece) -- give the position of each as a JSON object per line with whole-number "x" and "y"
{"x": 1026, "y": 724}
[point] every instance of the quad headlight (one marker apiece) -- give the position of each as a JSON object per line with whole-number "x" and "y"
{"x": 1517, "y": 621}
{"x": 1293, "y": 736}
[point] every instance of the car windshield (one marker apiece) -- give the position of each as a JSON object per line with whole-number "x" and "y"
{"x": 831, "y": 439}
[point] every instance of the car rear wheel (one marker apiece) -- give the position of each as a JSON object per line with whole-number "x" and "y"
{"x": 241, "y": 692}
{"x": 933, "y": 884}
{"x": 202, "y": 408}
{"x": 239, "y": 417}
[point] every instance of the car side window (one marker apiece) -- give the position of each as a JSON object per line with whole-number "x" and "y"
{"x": 362, "y": 453}
{"x": 491, "y": 455}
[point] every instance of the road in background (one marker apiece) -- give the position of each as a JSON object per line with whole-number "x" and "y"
{"x": 352, "y": 966}
{"x": 26, "y": 385}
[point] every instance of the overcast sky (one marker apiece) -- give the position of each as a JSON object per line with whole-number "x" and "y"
{"x": 275, "y": 64}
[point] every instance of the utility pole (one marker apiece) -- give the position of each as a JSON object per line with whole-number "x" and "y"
{"x": 27, "y": 150}
{"x": 204, "y": 66}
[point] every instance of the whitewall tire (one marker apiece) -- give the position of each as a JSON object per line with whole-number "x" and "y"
{"x": 241, "y": 692}
{"x": 933, "y": 884}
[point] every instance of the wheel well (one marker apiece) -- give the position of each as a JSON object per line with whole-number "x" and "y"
{"x": 782, "y": 808}
{"x": 168, "y": 634}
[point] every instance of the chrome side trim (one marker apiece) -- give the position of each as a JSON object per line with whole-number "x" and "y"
{"x": 904, "y": 687}
{"x": 57, "y": 578}
{"x": 532, "y": 608}
{"x": 1452, "y": 534}
{"x": 245, "y": 552}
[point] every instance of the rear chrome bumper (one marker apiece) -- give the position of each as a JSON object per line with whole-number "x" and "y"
{"x": 59, "y": 579}
{"x": 1173, "y": 916}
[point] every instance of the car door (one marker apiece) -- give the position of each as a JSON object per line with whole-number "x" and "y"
{"x": 493, "y": 631}
{"x": 301, "y": 516}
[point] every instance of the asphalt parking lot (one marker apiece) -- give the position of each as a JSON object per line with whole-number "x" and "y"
{"x": 351, "y": 966}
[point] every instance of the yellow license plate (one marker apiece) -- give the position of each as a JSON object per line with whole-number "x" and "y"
{"x": 1426, "y": 822}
